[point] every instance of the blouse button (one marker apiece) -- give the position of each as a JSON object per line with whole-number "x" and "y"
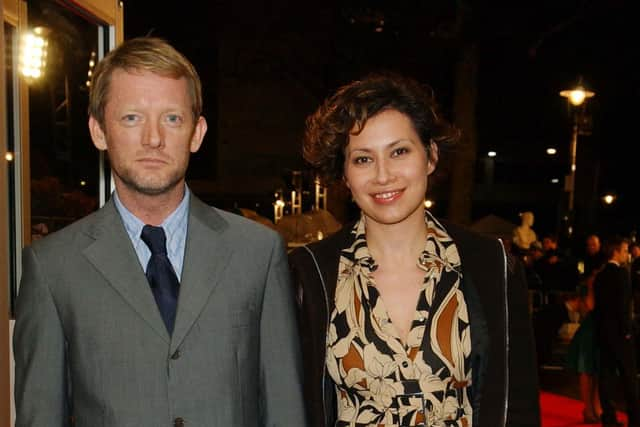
{"x": 405, "y": 364}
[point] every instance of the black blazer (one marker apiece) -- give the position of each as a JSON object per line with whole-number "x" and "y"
{"x": 612, "y": 309}
{"x": 505, "y": 390}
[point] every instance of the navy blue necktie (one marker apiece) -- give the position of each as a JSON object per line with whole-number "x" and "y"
{"x": 163, "y": 280}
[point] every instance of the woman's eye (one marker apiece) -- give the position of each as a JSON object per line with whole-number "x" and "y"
{"x": 361, "y": 160}
{"x": 399, "y": 151}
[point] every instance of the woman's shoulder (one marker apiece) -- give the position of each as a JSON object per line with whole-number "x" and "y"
{"x": 327, "y": 246}
{"x": 465, "y": 237}
{"x": 479, "y": 253}
{"x": 323, "y": 252}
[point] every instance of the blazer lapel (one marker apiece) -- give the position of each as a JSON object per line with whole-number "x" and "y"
{"x": 207, "y": 251}
{"x": 112, "y": 254}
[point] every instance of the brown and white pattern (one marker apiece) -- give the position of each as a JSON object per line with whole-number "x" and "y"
{"x": 381, "y": 381}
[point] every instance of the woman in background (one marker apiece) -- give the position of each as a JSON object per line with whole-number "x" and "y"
{"x": 582, "y": 355}
{"x": 405, "y": 320}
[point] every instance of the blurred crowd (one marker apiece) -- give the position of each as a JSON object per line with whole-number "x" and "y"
{"x": 582, "y": 303}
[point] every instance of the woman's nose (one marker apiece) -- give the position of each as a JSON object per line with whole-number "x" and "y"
{"x": 384, "y": 172}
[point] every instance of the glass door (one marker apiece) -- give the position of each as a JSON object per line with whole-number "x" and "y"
{"x": 64, "y": 165}
{"x": 11, "y": 158}
{"x": 50, "y": 173}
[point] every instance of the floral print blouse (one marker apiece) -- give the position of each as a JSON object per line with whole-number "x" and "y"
{"x": 381, "y": 381}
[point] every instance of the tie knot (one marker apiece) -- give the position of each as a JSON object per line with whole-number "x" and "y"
{"x": 155, "y": 239}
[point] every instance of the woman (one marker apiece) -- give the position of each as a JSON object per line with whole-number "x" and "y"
{"x": 582, "y": 355}
{"x": 405, "y": 320}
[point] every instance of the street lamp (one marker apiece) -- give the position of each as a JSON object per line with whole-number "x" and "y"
{"x": 608, "y": 198}
{"x": 577, "y": 98}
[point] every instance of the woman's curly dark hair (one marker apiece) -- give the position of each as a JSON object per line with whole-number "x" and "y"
{"x": 347, "y": 111}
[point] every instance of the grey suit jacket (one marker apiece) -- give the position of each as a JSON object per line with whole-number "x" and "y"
{"x": 90, "y": 344}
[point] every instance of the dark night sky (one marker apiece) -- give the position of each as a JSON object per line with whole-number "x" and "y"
{"x": 526, "y": 55}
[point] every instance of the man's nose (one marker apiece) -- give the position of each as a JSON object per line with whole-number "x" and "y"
{"x": 153, "y": 134}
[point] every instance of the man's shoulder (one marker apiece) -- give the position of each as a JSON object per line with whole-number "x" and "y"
{"x": 610, "y": 267}
{"x": 237, "y": 226}
{"x": 65, "y": 238}
{"x": 609, "y": 272}
{"x": 239, "y": 222}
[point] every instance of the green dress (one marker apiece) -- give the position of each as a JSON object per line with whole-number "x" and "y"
{"x": 582, "y": 355}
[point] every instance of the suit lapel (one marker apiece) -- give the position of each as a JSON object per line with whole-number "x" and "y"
{"x": 208, "y": 249}
{"x": 113, "y": 255}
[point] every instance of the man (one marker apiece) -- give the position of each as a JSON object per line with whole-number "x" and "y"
{"x": 612, "y": 313}
{"x": 594, "y": 258}
{"x": 208, "y": 337}
{"x": 634, "y": 270}
{"x": 634, "y": 250}
{"x": 558, "y": 272}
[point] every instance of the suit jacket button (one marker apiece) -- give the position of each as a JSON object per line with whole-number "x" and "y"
{"x": 176, "y": 356}
{"x": 178, "y": 422}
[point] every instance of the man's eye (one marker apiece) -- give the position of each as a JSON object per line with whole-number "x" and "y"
{"x": 174, "y": 119}
{"x": 129, "y": 118}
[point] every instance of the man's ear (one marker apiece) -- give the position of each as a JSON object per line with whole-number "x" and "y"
{"x": 97, "y": 134}
{"x": 198, "y": 134}
{"x": 433, "y": 157}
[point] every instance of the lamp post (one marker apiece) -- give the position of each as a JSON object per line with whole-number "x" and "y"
{"x": 576, "y": 97}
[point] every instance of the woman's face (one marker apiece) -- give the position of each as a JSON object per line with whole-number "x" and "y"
{"x": 386, "y": 169}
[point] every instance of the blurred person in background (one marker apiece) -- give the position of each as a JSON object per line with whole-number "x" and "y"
{"x": 594, "y": 258}
{"x": 634, "y": 271}
{"x": 614, "y": 333}
{"x": 557, "y": 271}
{"x": 583, "y": 356}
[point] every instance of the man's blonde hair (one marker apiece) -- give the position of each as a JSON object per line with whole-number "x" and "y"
{"x": 142, "y": 54}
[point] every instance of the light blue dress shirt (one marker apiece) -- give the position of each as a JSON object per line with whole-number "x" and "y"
{"x": 175, "y": 227}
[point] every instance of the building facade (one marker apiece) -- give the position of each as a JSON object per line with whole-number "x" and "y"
{"x": 50, "y": 174}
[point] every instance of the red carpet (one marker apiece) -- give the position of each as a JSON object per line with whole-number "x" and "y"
{"x": 560, "y": 411}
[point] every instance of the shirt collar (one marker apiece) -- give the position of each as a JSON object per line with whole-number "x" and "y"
{"x": 171, "y": 224}
{"x": 439, "y": 248}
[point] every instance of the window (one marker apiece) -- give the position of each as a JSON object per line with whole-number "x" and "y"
{"x": 56, "y": 175}
{"x": 64, "y": 164}
{"x": 12, "y": 188}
